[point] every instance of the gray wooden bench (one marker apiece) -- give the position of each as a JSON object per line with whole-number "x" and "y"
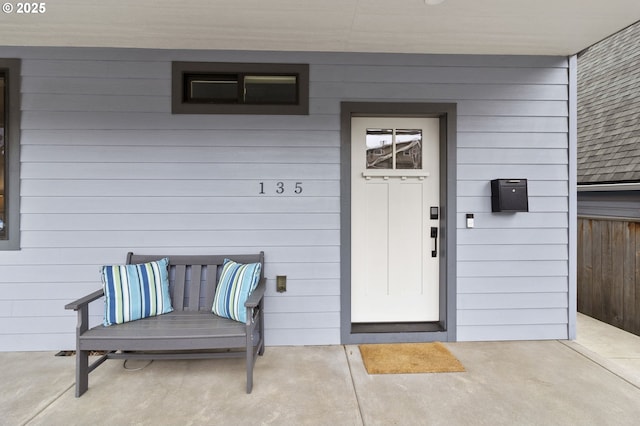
{"x": 191, "y": 331}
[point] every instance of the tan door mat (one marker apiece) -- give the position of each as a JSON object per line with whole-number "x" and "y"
{"x": 405, "y": 358}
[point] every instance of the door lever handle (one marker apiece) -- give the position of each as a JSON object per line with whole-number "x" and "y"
{"x": 434, "y": 235}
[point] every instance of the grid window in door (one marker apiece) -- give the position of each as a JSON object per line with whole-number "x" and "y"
{"x": 394, "y": 149}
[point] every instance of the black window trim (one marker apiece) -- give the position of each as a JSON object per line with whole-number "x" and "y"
{"x": 180, "y": 69}
{"x": 11, "y": 70}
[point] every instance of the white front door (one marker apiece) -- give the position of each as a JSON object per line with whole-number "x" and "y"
{"x": 395, "y": 204}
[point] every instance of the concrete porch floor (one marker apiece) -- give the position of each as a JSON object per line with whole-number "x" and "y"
{"x": 594, "y": 380}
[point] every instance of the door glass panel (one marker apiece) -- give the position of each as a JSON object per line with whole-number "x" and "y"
{"x": 408, "y": 149}
{"x": 379, "y": 148}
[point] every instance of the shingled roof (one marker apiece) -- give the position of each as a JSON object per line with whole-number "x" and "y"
{"x": 609, "y": 109}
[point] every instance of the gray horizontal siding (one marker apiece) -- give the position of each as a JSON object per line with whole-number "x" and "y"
{"x": 168, "y": 239}
{"x": 103, "y": 255}
{"x": 56, "y": 273}
{"x": 612, "y": 204}
{"x": 512, "y": 156}
{"x": 198, "y": 171}
{"x": 557, "y": 172}
{"x": 180, "y": 137}
{"x": 513, "y": 316}
{"x": 449, "y": 92}
{"x": 513, "y": 269}
{"x": 480, "y": 237}
{"x": 435, "y": 74}
{"x": 20, "y": 328}
{"x": 181, "y": 221}
{"x": 109, "y": 103}
{"x": 106, "y": 169}
{"x": 535, "y": 188}
{"x": 179, "y": 154}
{"x": 87, "y": 120}
{"x": 506, "y": 285}
{"x": 512, "y": 140}
{"x": 160, "y": 187}
{"x": 513, "y": 331}
{"x": 536, "y": 204}
{"x": 621, "y": 210}
{"x": 178, "y": 204}
{"x": 522, "y": 252}
{"x": 488, "y": 220}
{"x": 512, "y": 108}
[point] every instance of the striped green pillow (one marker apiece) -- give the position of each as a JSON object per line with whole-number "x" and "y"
{"x": 133, "y": 292}
{"x": 235, "y": 284}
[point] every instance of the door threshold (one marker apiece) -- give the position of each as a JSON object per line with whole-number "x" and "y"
{"x": 395, "y": 327}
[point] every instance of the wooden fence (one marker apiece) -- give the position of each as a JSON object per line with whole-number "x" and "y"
{"x": 609, "y": 271}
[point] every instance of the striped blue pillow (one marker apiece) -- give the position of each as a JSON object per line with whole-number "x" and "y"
{"x": 235, "y": 284}
{"x": 133, "y": 292}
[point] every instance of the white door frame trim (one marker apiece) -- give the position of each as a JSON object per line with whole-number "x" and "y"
{"x": 445, "y": 328}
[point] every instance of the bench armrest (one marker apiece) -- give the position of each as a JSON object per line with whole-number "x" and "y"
{"x": 78, "y": 304}
{"x": 256, "y": 295}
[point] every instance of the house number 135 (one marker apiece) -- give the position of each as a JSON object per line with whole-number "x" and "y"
{"x": 281, "y": 188}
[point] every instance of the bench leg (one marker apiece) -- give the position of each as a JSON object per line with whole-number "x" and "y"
{"x": 82, "y": 372}
{"x": 249, "y": 354}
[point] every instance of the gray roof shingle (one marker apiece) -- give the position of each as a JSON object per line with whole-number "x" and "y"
{"x": 609, "y": 109}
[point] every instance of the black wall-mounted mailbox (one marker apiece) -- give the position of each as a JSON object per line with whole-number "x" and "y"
{"x": 509, "y": 195}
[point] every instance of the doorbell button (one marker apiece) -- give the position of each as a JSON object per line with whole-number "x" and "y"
{"x": 470, "y": 220}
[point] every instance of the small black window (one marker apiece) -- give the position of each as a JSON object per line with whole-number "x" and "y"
{"x": 232, "y": 88}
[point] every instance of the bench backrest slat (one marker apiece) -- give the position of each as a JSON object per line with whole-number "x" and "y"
{"x": 193, "y": 279}
{"x": 194, "y": 288}
{"x": 210, "y": 286}
{"x": 177, "y": 277}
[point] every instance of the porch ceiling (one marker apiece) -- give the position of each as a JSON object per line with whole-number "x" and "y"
{"x": 549, "y": 27}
